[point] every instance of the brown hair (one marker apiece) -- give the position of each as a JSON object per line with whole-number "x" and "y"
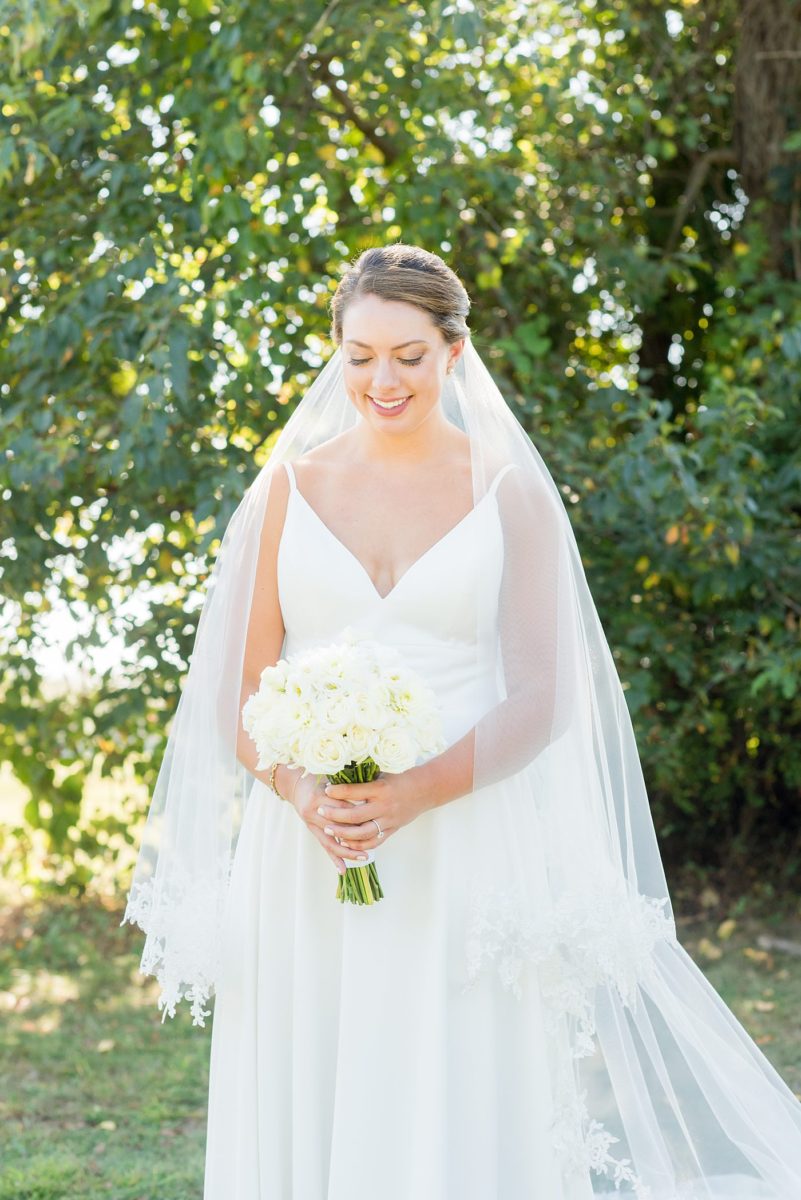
{"x": 409, "y": 273}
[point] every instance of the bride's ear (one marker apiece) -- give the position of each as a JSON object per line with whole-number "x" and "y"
{"x": 456, "y": 354}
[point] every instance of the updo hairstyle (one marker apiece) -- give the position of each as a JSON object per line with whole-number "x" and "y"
{"x": 408, "y": 273}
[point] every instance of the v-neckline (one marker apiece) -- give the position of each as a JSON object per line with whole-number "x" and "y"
{"x": 295, "y": 491}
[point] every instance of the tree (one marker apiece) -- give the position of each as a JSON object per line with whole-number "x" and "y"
{"x": 180, "y": 186}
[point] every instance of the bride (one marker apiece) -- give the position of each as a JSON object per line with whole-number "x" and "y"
{"x": 515, "y": 1017}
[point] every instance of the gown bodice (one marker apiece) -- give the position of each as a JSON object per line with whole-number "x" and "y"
{"x": 431, "y": 616}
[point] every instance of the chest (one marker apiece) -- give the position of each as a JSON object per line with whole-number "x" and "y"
{"x": 447, "y": 591}
{"x": 388, "y": 533}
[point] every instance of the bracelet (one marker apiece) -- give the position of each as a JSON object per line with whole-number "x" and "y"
{"x": 272, "y": 781}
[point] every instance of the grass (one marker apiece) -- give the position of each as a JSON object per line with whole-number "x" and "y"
{"x": 728, "y": 936}
{"x": 99, "y": 1099}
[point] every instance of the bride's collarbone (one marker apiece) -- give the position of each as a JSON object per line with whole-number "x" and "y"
{"x": 390, "y": 530}
{"x": 387, "y": 530}
{"x": 424, "y": 503}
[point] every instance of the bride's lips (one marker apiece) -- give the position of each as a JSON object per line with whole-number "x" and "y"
{"x": 388, "y": 412}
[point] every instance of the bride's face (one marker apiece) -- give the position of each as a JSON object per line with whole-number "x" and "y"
{"x": 392, "y": 351}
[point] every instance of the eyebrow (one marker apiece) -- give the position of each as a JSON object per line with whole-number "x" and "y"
{"x": 353, "y": 342}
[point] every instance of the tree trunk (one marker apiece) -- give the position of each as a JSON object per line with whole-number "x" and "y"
{"x": 767, "y": 108}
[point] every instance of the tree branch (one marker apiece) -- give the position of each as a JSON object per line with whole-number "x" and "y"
{"x": 382, "y": 143}
{"x": 319, "y": 24}
{"x": 698, "y": 173}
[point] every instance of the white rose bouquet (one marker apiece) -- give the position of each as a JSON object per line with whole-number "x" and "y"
{"x": 347, "y": 711}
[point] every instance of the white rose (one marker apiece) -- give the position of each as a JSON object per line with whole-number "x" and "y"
{"x": 292, "y": 718}
{"x": 255, "y": 722}
{"x": 394, "y": 750}
{"x": 372, "y": 706}
{"x": 294, "y": 748}
{"x": 331, "y": 662}
{"x": 356, "y": 677}
{"x": 303, "y": 680}
{"x": 334, "y": 711}
{"x": 360, "y": 740}
{"x": 275, "y": 676}
{"x": 424, "y": 726}
{"x": 324, "y": 754}
{"x": 351, "y": 636}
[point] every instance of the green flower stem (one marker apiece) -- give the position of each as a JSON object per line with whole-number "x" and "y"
{"x": 359, "y": 884}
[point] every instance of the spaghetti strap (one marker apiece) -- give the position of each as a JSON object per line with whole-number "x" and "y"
{"x": 499, "y": 476}
{"x": 290, "y": 472}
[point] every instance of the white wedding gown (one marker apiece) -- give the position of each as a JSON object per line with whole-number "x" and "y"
{"x": 406, "y": 1050}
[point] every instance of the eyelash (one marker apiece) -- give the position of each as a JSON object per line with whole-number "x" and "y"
{"x": 407, "y": 362}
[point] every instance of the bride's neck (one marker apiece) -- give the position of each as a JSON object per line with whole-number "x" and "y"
{"x": 424, "y": 444}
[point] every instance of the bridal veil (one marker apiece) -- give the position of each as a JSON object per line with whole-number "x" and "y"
{"x": 662, "y": 1094}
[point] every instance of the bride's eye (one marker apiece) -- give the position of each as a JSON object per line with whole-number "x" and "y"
{"x": 407, "y": 362}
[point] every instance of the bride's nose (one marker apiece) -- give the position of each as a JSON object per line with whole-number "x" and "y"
{"x": 385, "y": 375}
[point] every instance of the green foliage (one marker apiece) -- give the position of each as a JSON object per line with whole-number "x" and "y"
{"x": 179, "y": 187}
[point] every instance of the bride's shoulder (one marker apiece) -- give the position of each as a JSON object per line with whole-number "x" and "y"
{"x": 335, "y": 450}
{"x": 317, "y": 463}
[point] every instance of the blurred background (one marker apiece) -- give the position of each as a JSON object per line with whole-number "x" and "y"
{"x": 619, "y": 187}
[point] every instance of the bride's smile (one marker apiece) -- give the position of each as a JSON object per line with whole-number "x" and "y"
{"x": 395, "y": 363}
{"x": 393, "y": 406}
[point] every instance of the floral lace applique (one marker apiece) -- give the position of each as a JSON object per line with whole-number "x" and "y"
{"x": 575, "y": 947}
{"x": 584, "y": 1145}
{"x": 186, "y": 916}
{"x": 608, "y": 939}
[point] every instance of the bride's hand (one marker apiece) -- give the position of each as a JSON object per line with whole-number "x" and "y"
{"x": 307, "y": 796}
{"x": 350, "y": 810}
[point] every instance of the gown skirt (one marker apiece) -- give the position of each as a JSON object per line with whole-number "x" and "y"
{"x": 424, "y": 1047}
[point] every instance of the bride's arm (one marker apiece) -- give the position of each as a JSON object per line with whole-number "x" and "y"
{"x": 265, "y": 632}
{"x": 536, "y": 663}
